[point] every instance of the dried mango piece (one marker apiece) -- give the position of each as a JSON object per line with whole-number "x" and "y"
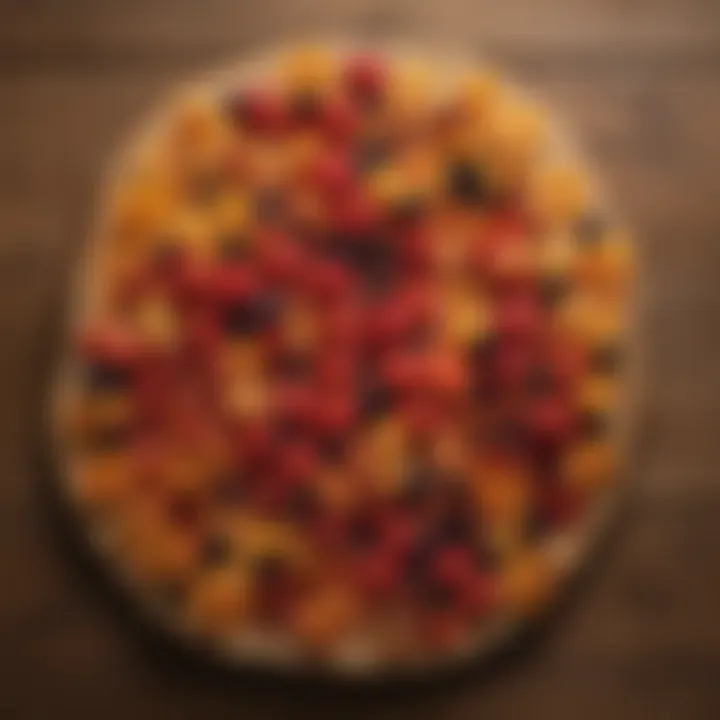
{"x": 220, "y": 600}
{"x": 528, "y": 583}
{"x": 590, "y": 465}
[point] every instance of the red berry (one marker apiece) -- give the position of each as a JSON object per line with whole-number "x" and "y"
{"x": 356, "y": 215}
{"x": 446, "y": 374}
{"x": 442, "y": 629}
{"x": 552, "y": 420}
{"x": 423, "y": 417}
{"x": 260, "y": 110}
{"x": 377, "y": 574}
{"x": 336, "y": 371}
{"x": 480, "y": 595}
{"x": 342, "y": 325}
{"x": 398, "y": 534}
{"x": 334, "y": 415}
{"x": 511, "y": 363}
{"x": 233, "y": 283}
{"x": 281, "y": 259}
{"x": 402, "y": 371}
{"x": 454, "y": 567}
{"x": 333, "y": 174}
{"x": 255, "y": 443}
{"x": 329, "y": 280}
{"x": 366, "y": 77}
{"x": 294, "y": 402}
{"x": 339, "y": 120}
{"x": 113, "y": 345}
{"x": 518, "y": 316}
{"x": 297, "y": 463}
{"x": 416, "y": 250}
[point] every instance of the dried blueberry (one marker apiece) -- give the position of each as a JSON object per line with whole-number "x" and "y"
{"x": 466, "y": 183}
{"x": 253, "y": 316}
{"x": 106, "y": 376}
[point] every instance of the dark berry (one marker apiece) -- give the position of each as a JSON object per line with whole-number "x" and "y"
{"x": 466, "y": 183}
{"x": 233, "y": 248}
{"x": 306, "y": 107}
{"x": 253, "y": 316}
{"x": 333, "y": 449}
{"x": 606, "y": 359}
{"x": 303, "y": 503}
{"x": 270, "y": 206}
{"x": 553, "y": 290}
{"x": 418, "y": 483}
{"x": 216, "y": 550}
{"x": 593, "y": 424}
{"x": 540, "y": 381}
{"x": 374, "y": 398}
{"x": 106, "y": 376}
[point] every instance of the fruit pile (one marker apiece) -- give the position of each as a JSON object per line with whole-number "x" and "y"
{"x": 350, "y": 358}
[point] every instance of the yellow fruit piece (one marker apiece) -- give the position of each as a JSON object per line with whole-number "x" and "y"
{"x": 590, "y": 466}
{"x": 590, "y": 318}
{"x": 138, "y": 212}
{"x": 337, "y": 492}
{"x": 220, "y": 600}
{"x": 189, "y": 230}
{"x": 479, "y": 92}
{"x": 233, "y": 215}
{"x": 299, "y": 328}
{"x": 308, "y": 68}
{"x": 503, "y": 493}
{"x": 511, "y": 139}
{"x": 100, "y": 411}
{"x": 559, "y": 194}
{"x": 104, "y": 479}
{"x": 303, "y": 149}
{"x": 240, "y": 359}
{"x": 597, "y": 393}
{"x": 185, "y": 471}
{"x": 157, "y": 322}
{"x": 381, "y": 455}
{"x": 557, "y": 255}
{"x": 247, "y": 398}
{"x": 411, "y": 89}
{"x": 451, "y": 454}
{"x": 258, "y": 538}
{"x": 528, "y": 583}
{"x": 466, "y": 318}
{"x": 325, "y": 615}
{"x": 163, "y": 554}
{"x": 608, "y": 265}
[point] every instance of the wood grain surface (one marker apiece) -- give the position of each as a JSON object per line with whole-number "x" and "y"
{"x": 640, "y": 82}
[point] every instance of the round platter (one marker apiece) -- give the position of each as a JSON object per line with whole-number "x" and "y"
{"x": 529, "y": 533}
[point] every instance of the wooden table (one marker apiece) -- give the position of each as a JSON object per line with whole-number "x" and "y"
{"x": 640, "y": 81}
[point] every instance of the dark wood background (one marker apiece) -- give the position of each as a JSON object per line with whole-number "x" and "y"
{"x": 640, "y": 81}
